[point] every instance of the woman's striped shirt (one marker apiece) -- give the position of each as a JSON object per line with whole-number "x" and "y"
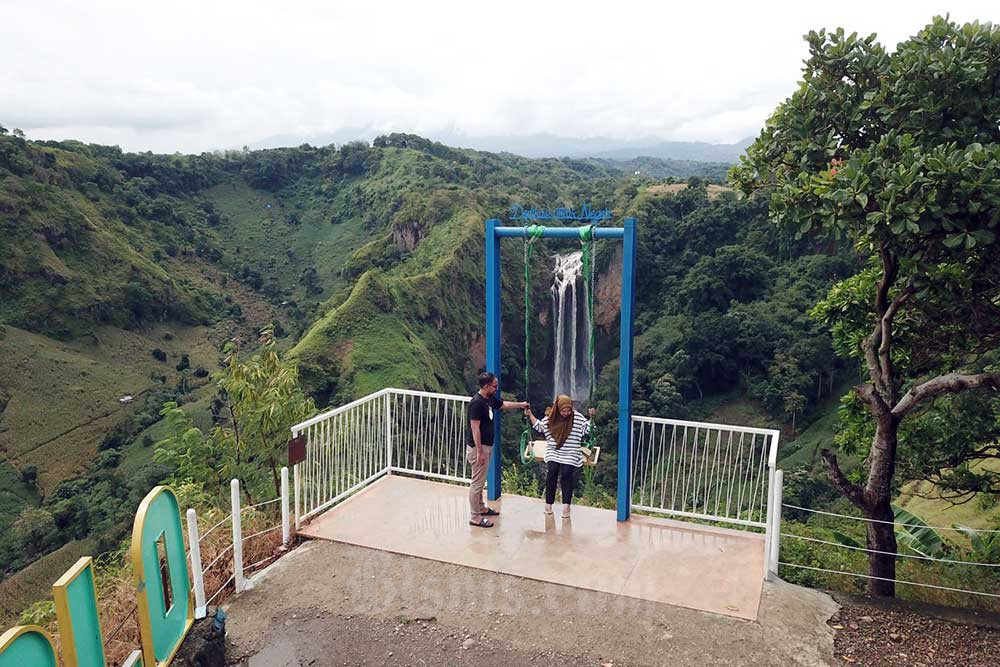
{"x": 569, "y": 453}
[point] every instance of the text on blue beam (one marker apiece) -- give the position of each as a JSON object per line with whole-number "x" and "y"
{"x": 519, "y": 213}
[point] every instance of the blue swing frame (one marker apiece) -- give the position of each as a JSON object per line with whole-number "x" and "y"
{"x": 627, "y": 234}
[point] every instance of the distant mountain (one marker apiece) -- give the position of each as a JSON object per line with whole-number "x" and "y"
{"x": 539, "y": 145}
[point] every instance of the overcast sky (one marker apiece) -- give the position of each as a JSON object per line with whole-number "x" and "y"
{"x": 194, "y": 76}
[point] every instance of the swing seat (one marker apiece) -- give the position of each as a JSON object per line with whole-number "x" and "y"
{"x": 538, "y": 448}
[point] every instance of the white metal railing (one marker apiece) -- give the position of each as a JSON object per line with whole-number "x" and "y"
{"x": 427, "y": 434}
{"x": 391, "y": 431}
{"x": 697, "y": 470}
{"x": 346, "y": 449}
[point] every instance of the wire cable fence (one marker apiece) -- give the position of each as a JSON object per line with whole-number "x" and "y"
{"x": 936, "y": 578}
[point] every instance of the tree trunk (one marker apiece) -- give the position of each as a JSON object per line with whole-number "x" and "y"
{"x": 877, "y": 505}
{"x": 874, "y": 499}
{"x": 881, "y": 537}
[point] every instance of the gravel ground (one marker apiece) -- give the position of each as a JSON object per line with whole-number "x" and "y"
{"x": 875, "y": 637}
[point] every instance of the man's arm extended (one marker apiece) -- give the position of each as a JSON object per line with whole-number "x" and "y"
{"x": 514, "y": 405}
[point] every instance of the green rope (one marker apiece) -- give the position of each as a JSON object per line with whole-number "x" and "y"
{"x": 533, "y": 232}
{"x": 589, "y": 257}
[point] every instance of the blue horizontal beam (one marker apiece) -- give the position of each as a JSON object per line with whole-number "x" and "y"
{"x": 561, "y": 232}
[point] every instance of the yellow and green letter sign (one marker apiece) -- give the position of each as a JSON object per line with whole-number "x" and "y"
{"x": 26, "y": 646}
{"x": 76, "y": 610}
{"x": 163, "y": 591}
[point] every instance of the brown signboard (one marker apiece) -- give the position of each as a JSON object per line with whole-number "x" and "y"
{"x": 297, "y": 450}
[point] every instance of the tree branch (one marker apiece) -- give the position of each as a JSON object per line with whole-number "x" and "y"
{"x": 952, "y": 383}
{"x": 853, "y": 492}
{"x": 869, "y": 394}
{"x": 885, "y": 347}
{"x": 876, "y": 353}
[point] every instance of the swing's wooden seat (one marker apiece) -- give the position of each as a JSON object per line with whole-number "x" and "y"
{"x": 538, "y": 448}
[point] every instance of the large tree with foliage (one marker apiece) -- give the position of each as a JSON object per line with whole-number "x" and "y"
{"x": 900, "y": 152}
{"x": 262, "y": 401}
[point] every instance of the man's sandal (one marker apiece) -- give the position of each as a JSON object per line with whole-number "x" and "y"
{"x": 489, "y": 512}
{"x": 482, "y": 523}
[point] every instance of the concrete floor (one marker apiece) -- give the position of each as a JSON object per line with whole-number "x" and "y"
{"x": 682, "y": 564}
{"x": 329, "y": 604}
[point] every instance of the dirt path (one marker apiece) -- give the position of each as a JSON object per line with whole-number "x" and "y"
{"x": 334, "y": 604}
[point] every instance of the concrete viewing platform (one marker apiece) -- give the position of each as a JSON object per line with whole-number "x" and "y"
{"x": 699, "y": 567}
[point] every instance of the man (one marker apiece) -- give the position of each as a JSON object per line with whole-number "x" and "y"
{"x": 480, "y": 443}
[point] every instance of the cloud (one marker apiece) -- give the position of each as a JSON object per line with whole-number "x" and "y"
{"x": 193, "y": 76}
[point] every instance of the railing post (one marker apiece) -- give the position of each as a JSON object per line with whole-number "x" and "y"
{"x": 297, "y": 489}
{"x": 286, "y": 528}
{"x": 239, "y": 582}
{"x": 769, "y": 524}
{"x": 775, "y": 551}
{"x": 388, "y": 432}
{"x": 199, "y": 582}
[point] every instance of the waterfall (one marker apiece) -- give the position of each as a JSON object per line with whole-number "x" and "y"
{"x": 569, "y": 309}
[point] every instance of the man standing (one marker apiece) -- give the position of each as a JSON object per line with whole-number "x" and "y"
{"x": 480, "y": 443}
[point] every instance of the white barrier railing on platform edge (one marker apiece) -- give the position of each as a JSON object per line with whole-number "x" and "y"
{"x": 404, "y": 431}
{"x": 708, "y": 472}
{"x": 422, "y": 434}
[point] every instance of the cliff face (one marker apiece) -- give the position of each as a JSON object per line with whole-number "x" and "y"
{"x": 608, "y": 293}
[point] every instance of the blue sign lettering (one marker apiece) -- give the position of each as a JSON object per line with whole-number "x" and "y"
{"x": 519, "y": 213}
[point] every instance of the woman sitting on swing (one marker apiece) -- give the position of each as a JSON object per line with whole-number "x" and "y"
{"x": 564, "y": 429}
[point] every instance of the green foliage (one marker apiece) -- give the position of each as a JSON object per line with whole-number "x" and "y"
{"x": 913, "y": 533}
{"x": 264, "y": 400}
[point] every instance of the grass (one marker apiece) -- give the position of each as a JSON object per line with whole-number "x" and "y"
{"x": 64, "y": 395}
{"x": 15, "y": 495}
{"x": 256, "y": 231}
{"x": 35, "y": 581}
{"x": 923, "y": 499}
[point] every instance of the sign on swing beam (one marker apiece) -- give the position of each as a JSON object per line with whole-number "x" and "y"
{"x": 519, "y": 213}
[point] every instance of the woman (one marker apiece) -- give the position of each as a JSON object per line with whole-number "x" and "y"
{"x": 564, "y": 429}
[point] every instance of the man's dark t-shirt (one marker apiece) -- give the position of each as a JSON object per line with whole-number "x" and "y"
{"x": 480, "y": 408}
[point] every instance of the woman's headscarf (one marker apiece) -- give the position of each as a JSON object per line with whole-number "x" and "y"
{"x": 559, "y": 426}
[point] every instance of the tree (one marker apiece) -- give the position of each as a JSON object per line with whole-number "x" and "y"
{"x": 262, "y": 399}
{"x": 900, "y": 152}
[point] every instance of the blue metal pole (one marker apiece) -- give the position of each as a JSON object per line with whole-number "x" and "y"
{"x": 561, "y": 232}
{"x": 493, "y": 474}
{"x": 625, "y": 375}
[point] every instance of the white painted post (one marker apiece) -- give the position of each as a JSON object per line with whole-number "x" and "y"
{"x": 134, "y": 659}
{"x": 297, "y": 487}
{"x": 286, "y": 528}
{"x": 240, "y": 582}
{"x": 388, "y": 432}
{"x": 779, "y": 481}
{"x": 769, "y": 524}
{"x": 196, "y": 573}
